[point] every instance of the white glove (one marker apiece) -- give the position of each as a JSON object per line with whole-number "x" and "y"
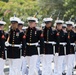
{"x": 63, "y": 44}
{"x": 56, "y": 54}
{"x": 7, "y": 44}
{"x": 20, "y": 46}
{"x": 73, "y": 44}
{"x": 53, "y": 43}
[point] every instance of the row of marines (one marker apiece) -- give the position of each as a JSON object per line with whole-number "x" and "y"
{"x": 37, "y": 48}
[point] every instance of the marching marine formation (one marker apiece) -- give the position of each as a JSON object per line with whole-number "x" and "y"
{"x": 34, "y": 51}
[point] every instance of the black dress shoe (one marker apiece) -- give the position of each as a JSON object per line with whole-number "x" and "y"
{"x": 75, "y": 67}
{"x": 39, "y": 72}
{"x": 63, "y": 73}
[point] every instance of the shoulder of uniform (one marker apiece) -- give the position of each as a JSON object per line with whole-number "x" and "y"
{"x": 72, "y": 31}
{"x": 26, "y": 29}
{"x": 7, "y": 32}
{"x": 2, "y": 30}
{"x": 65, "y": 32}
{"x": 21, "y": 31}
{"x": 75, "y": 32}
{"x": 38, "y": 28}
{"x": 53, "y": 29}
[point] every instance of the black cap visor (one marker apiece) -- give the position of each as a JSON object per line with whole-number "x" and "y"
{"x": 63, "y": 27}
{"x": 20, "y": 24}
{"x": 48, "y": 22}
{"x": 69, "y": 24}
{"x": 59, "y": 23}
{"x": 31, "y": 20}
{"x": 1, "y": 24}
{"x": 14, "y": 22}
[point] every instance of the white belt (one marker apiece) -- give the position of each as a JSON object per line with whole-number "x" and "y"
{"x": 15, "y": 45}
{"x": 50, "y": 42}
{"x": 63, "y": 43}
{"x": 32, "y": 44}
{"x": 73, "y": 44}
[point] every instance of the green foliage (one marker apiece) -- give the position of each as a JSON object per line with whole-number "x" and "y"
{"x": 45, "y": 8}
{"x": 22, "y": 9}
{"x": 70, "y": 6}
{"x": 52, "y": 6}
{"x": 5, "y": 0}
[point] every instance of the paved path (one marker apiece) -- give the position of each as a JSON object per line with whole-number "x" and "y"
{"x": 6, "y": 69}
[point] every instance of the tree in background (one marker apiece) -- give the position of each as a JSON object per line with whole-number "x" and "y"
{"x": 51, "y": 6}
{"x": 22, "y": 9}
{"x": 70, "y": 6}
{"x": 5, "y": 0}
{"x": 45, "y": 8}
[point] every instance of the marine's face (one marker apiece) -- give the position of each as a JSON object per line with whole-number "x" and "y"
{"x": 14, "y": 25}
{"x": 1, "y": 27}
{"x": 59, "y": 26}
{"x": 32, "y": 24}
{"x": 48, "y": 24}
{"x": 69, "y": 27}
{"x": 20, "y": 27}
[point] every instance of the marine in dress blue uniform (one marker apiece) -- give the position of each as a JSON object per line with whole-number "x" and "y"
{"x": 71, "y": 38}
{"x": 2, "y": 47}
{"x": 33, "y": 37}
{"x": 60, "y": 38}
{"x": 15, "y": 41}
{"x": 49, "y": 39}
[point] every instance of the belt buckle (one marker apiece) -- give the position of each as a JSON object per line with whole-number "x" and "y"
{"x": 46, "y": 41}
{"x": 29, "y": 44}
{"x": 12, "y": 45}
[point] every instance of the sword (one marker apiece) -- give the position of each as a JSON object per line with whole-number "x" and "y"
{"x": 53, "y": 44}
{"x": 65, "y": 56}
{"x": 20, "y": 52}
{"x": 54, "y": 48}
{"x": 64, "y": 45}
{"x": 73, "y": 44}
{"x": 6, "y": 53}
{"x": 40, "y": 69}
{"x": 65, "y": 50}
